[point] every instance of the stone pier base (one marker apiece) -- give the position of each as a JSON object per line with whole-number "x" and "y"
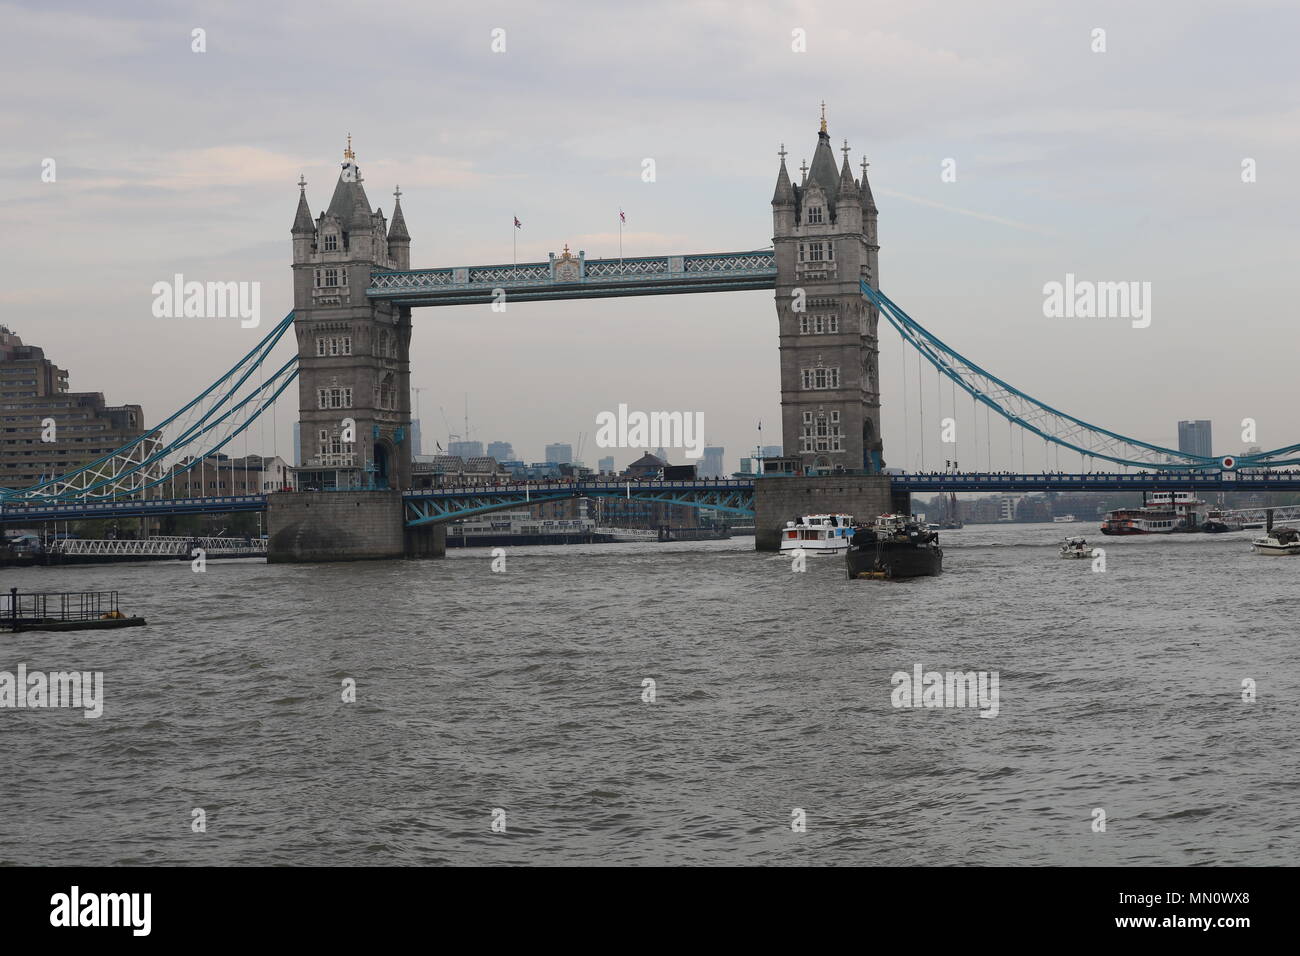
{"x": 778, "y": 499}
{"x": 306, "y": 526}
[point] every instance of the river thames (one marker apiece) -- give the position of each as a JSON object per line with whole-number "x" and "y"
{"x": 522, "y": 697}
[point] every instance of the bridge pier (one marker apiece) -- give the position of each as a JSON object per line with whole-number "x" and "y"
{"x": 778, "y": 499}
{"x": 310, "y": 526}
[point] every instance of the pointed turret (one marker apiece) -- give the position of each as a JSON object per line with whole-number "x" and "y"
{"x": 397, "y": 228}
{"x": 848, "y": 188}
{"x": 783, "y": 199}
{"x": 302, "y": 222}
{"x": 823, "y": 171}
{"x": 349, "y": 204}
{"x": 399, "y": 240}
{"x": 868, "y": 201}
{"x": 784, "y": 190}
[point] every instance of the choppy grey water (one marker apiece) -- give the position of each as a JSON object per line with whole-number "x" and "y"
{"x": 523, "y": 691}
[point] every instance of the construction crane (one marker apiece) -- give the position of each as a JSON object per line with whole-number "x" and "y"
{"x": 450, "y": 435}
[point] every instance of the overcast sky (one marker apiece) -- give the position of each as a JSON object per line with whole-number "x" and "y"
{"x": 1122, "y": 165}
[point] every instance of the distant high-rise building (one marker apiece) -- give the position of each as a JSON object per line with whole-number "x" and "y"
{"x": 711, "y": 466}
{"x": 1194, "y": 438}
{"x": 772, "y": 451}
{"x": 559, "y": 453}
{"x": 56, "y": 429}
{"x": 501, "y": 450}
{"x": 465, "y": 449}
{"x": 415, "y": 438}
{"x": 606, "y": 465}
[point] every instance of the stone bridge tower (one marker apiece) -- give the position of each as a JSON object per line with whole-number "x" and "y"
{"x": 353, "y": 353}
{"x": 825, "y": 242}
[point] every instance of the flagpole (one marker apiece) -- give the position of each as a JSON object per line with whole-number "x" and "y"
{"x": 620, "y": 237}
{"x": 514, "y": 248}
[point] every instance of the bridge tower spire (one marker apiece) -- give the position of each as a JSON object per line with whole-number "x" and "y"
{"x": 353, "y": 353}
{"x": 825, "y": 242}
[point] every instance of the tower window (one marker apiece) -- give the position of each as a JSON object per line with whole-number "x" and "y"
{"x": 814, "y": 214}
{"x": 820, "y": 378}
{"x": 333, "y": 398}
{"x": 334, "y": 345}
{"x": 331, "y": 242}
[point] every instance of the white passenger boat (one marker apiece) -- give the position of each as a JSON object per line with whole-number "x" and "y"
{"x": 1064, "y": 519}
{"x": 1076, "y": 548}
{"x": 818, "y": 534}
{"x": 1279, "y": 541}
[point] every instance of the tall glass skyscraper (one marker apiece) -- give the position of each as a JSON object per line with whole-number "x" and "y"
{"x": 1194, "y": 438}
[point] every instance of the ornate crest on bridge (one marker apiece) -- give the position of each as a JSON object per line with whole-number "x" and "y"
{"x": 567, "y": 268}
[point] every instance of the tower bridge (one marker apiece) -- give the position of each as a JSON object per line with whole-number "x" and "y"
{"x": 354, "y": 294}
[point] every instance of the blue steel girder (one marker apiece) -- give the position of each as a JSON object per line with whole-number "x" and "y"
{"x": 451, "y": 508}
{"x": 571, "y": 277}
{"x": 440, "y": 506}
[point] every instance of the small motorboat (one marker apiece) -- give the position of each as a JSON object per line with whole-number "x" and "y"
{"x": 1076, "y": 548}
{"x": 1279, "y": 541}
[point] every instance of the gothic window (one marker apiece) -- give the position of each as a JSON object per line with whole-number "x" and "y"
{"x": 331, "y": 277}
{"x": 821, "y": 378}
{"x": 334, "y": 345}
{"x": 814, "y": 214}
{"x": 333, "y": 398}
{"x": 331, "y": 242}
{"x": 832, "y": 323}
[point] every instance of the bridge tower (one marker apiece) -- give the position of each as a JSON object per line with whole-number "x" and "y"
{"x": 353, "y": 353}
{"x": 825, "y": 242}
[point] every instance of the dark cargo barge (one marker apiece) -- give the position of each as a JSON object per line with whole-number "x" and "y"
{"x": 894, "y": 546}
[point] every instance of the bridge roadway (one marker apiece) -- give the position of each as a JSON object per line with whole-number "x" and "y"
{"x": 731, "y": 495}
{"x": 577, "y": 277}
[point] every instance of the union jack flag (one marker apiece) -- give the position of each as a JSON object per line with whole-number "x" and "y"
{"x": 621, "y": 217}
{"x": 518, "y": 224}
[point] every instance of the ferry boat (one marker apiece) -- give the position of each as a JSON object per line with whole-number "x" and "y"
{"x": 1163, "y": 512}
{"x": 1279, "y": 541}
{"x": 1064, "y": 519}
{"x": 818, "y": 534}
{"x": 1076, "y": 548}
{"x": 894, "y": 546}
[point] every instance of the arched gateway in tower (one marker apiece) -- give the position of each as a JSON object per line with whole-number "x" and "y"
{"x": 354, "y": 366}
